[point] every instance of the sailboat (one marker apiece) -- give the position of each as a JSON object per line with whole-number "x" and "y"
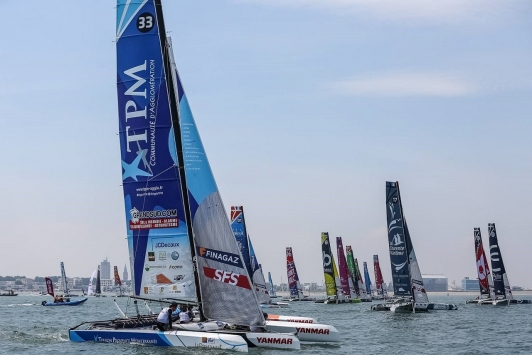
{"x": 484, "y": 275}
{"x": 336, "y": 290}
{"x": 379, "y": 282}
{"x": 90, "y": 289}
{"x": 296, "y": 291}
{"x": 180, "y": 241}
{"x": 118, "y": 283}
{"x": 273, "y": 294}
{"x": 307, "y": 329}
{"x": 98, "y": 290}
{"x": 503, "y": 291}
{"x": 356, "y": 280}
{"x": 409, "y": 289}
{"x": 367, "y": 279}
{"x": 64, "y": 283}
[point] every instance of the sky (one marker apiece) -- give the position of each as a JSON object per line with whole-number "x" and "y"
{"x": 305, "y": 107}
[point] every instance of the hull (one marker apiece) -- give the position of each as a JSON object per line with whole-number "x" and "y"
{"x": 407, "y": 307}
{"x": 306, "y": 332}
{"x": 381, "y": 307}
{"x": 293, "y": 319}
{"x": 275, "y": 305}
{"x": 71, "y": 303}
{"x": 442, "y": 307}
{"x": 504, "y": 302}
{"x": 351, "y": 300}
{"x": 8, "y": 295}
{"x": 187, "y": 339}
{"x": 520, "y": 302}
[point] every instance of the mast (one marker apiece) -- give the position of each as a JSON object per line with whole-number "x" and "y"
{"x": 174, "y": 112}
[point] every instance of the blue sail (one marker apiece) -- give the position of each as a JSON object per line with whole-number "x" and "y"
{"x": 367, "y": 279}
{"x": 238, "y": 224}
{"x": 272, "y": 290}
{"x": 159, "y": 247}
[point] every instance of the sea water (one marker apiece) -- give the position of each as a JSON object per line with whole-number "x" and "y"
{"x": 26, "y": 327}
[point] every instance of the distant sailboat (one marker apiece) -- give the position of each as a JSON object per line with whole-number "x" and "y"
{"x": 272, "y": 289}
{"x": 485, "y": 280}
{"x": 118, "y": 283}
{"x": 367, "y": 279}
{"x": 90, "y": 289}
{"x": 98, "y": 291}
{"x": 294, "y": 286}
{"x": 337, "y": 290}
{"x": 356, "y": 279}
{"x": 409, "y": 289}
{"x": 64, "y": 283}
{"x": 59, "y": 300}
{"x": 380, "y": 287}
{"x": 503, "y": 291}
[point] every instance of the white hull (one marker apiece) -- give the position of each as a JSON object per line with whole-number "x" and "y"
{"x": 306, "y": 332}
{"x": 187, "y": 339}
{"x": 293, "y": 319}
{"x": 503, "y": 302}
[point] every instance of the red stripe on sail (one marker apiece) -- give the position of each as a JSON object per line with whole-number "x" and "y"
{"x": 227, "y": 277}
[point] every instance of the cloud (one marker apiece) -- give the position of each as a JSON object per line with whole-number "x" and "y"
{"x": 439, "y": 11}
{"x": 405, "y": 84}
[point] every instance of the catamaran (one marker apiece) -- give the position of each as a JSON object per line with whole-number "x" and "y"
{"x": 118, "y": 283}
{"x": 238, "y": 224}
{"x": 90, "y": 289}
{"x": 503, "y": 291}
{"x": 307, "y": 329}
{"x": 485, "y": 280}
{"x": 337, "y": 291}
{"x": 367, "y": 279}
{"x": 180, "y": 240}
{"x": 409, "y": 289}
{"x": 296, "y": 291}
{"x": 98, "y": 290}
{"x": 272, "y": 292}
{"x": 380, "y": 287}
{"x": 356, "y": 283}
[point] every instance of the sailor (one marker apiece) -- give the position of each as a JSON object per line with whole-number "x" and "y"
{"x": 184, "y": 316}
{"x": 164, "y": 319}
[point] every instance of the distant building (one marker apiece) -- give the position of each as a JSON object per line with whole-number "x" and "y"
{"x": 105, "y": 269}
{"x": 125, "y": 274}
{"x": 470, "y": 284}
{"x": 435, "y": 283}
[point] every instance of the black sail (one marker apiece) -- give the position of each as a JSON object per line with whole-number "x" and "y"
{"x": 397, "y": 241}
{"x": 500, "y": 280}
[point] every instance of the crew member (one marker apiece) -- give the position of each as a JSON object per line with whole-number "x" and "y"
{"x": 164, "y": 319}
{"x": 184, "y": 316}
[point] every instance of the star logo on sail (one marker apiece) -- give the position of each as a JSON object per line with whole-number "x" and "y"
{"x": 132, "y": 170}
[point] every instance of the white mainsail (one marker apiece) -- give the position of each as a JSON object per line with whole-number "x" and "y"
{"x": 90, "y": 291}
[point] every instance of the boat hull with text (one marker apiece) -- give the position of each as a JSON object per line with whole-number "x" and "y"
{"x": 187, "y": 339}
{"x": 321, "y": 333}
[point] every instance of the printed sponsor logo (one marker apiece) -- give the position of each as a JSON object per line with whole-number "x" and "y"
{"x": 326, "y": 259}
{"x": 203, "y": 345}
{"x": 263, "y": 340}
{"x": 137, "y": 215}
{"x": 206, "y": 339}
{"x": 174, "y": 255}
{"x": 153, "y": 219}
{"x": 313, "y": 331}
{"x": 166, "y": 245}
{"x": 179, "y": 277}
{"x": 223, "y": 257}
{"x": 100, "y": 339}
{"x": 162, "y": 255}
{"x": 146, "y": 290}
{"x": 394, "y": 199}
{"x": 227, "y": 277}
{"x": 396, "y": 240}
{"x": 148, "y": 267}
{"x": 299, "y": 320}
{"x": 170, "y": 267}
{"x": 399, "y": 266}
{"x": 151, "y": 256}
